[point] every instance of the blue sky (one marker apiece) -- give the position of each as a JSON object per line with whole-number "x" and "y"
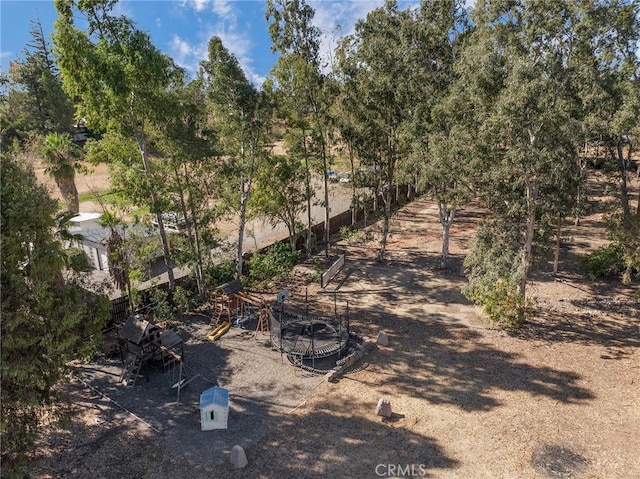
{"x": 182, "y": 28}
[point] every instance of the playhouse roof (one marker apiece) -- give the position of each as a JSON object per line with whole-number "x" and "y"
{"x": 215, "y": 396}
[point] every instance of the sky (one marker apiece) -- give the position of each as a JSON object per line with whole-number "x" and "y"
{"x": 182, "y": 28}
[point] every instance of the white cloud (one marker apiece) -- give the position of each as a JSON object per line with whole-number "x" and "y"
{"x": 225, "y": 26}
{"x": 198, "y": 5}
{"x": 223, "y": 8}
{"x": 336, "y": 19}
{"x": 123, "y": 7}
{"x": 185, "y": 54}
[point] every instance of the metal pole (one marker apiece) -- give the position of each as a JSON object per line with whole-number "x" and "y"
{"x": 179, "y": 383}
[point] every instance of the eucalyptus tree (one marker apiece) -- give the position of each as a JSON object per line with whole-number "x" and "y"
{"x": 301, "y": 91}
{"x": 240, "y": 115}
{"x": 610, "y": 94}
{"x": 183, "y": 138}
{"x": 610, "y": 85}
{"x": 373, "y": 61}
{"x": 437, "y": 162}
{"x": 120, "y": 78}
{"x": 279, "y": 195}
{"x": 518, "y": 77}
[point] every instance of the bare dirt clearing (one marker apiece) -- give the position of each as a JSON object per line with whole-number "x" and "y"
{"x": 561, "y": 399}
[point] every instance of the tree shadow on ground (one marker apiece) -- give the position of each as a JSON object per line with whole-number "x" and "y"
{"x": 433, "y": 359}
{"x": 586, "y": 327}
{"x": 340, "y": 440}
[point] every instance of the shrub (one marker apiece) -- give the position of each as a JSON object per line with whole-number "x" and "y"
{"x": 315, "y": 275}
{"x": 604, "y": 262}
{"x": 276, "y": 262}
{"x": 218, "y": 274}
{"x": 504, "y": 306}
{"x": 77, "y": 260}
{"x": 348, "y": 234}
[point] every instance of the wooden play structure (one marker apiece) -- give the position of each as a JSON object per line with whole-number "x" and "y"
{"x": 232, "y": 306}
{"x": 144, "y": 346}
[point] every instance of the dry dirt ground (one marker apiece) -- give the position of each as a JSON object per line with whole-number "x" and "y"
{"x": 559, "y": 399}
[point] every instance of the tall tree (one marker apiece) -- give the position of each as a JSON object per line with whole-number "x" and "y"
{"x": 279, "y": 195}
{"x": 238, "y": 113}
{"x": 373, "y": 59}
{"x": 47, "y": 319}
{"x": 522, "y": 93}
{"x": 437, "y": 161}
{"x": 610, "y": 84}
{"x": 120, "y": 78}
{"x": 189, "y": 145}
{"x": 301, "y": 89}
{"x": 35, "y": 99}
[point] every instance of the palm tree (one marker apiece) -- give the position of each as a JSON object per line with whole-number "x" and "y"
{"x": 61, "y": 157}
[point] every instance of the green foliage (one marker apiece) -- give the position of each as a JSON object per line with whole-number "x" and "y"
{"x": 606, "y": 261}
{"x": 34, "y": 101}
{"x": 316, "y": 275}
{"x": 494, "y": 271}
{"x": 217, "y": 274}
{"x": 159, "y": 306}
{"x": 47, "y": 319}
{"x": 280, "y": 192}
{"x": 624, "y": 231}
{"x": 504, "y": 306}
{"x": 77, "y": 260}
{"x": 182, "y": 298}
{"x": 275, "y": 263}
{"x": 350, "y": 234}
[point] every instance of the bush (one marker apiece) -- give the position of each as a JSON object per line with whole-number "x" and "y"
{"x": 218, "y": 274}
{"x": 276, "y": 262}
{"x": 316, "y": 275}
{"x": 604, "y": 262}
{"x": 77, "y": 260}
{"x": 504, "y": 306}
{"x": 348, "y": 234}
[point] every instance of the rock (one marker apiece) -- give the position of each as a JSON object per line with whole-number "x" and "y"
{"x": 383, "y": 408}
{"x": 238, "y": 457}
{"x": 383, "y": 339}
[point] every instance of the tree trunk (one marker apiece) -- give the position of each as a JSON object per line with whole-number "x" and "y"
{"x": 385, "y": 224}
{"x": 308, "y": 194}
{"x": 446, "y": 215}
{"x": 154, "y": 202}
{"x": 69, "y": 192}
{"x": 556, "y": 259}
{"x": 243, "y": 208}
{"x": 532, "y": 196}
{"x": 327, "y": 209}
{"x": 618, "y": 156}
{"x": 196, "y": 234}
{"x": 354, "y": 205}
{"x": 185, "y": 214}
